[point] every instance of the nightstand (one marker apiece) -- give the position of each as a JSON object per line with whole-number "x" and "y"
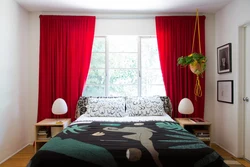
{"x": 48, "y": 128}
{"x": 200, "y": 129}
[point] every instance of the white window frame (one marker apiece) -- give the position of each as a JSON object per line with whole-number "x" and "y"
{"x": 107, "y": 69}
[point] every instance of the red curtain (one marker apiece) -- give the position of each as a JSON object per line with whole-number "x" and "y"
{"x": 65, "y": 53}
{"x": 175, "y": 37}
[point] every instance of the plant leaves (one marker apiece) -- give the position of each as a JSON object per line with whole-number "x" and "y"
{"x": 194, "y": 57}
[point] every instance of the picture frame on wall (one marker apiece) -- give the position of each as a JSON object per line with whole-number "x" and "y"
{"x": 224, "y": 58}
{"x": 225, "y": 91}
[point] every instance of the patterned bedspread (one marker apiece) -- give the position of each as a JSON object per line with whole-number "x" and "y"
{"x": 116, "y": 144}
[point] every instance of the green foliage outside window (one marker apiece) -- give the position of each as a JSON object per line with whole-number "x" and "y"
{"x": 123, "y": 68}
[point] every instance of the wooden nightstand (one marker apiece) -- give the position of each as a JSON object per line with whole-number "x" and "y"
{"x": 200, "y": 129}
{"x": 46, "y": 128}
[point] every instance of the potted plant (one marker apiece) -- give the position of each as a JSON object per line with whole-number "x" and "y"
{"x": 196, "y": 62}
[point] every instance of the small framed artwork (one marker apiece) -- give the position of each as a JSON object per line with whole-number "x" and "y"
{"x": 225, "y": 91}
{"x": 224, "y": 60}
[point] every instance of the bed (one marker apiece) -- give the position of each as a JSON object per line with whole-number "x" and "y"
{"x": 125, "y": 132}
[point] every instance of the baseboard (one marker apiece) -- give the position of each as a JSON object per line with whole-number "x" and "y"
{"x": 15, "y": 153}
{"x": 226, "y": 150}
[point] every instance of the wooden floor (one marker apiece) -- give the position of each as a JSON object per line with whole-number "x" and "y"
{"x": 225, "y": 154}
{"x": 22, "y": 158}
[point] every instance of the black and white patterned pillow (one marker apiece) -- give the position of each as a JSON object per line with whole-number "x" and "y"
{"x": 106, "y": 107}
{"x": 144, "y": 106}
{"x": 167, "y": 105}
{"x": 82, "y": 103}
{"x": 81, "y": 106}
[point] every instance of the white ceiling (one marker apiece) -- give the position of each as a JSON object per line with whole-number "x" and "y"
{"x": 124, "y": 6}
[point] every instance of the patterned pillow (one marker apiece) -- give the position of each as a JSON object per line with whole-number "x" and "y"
{"x": 167, "y": 105}
{"x": 106, "y": 107}
{"x": 81, "y": 106}
{"x": 144, "y": 106}
{"x": 82, "y": 103}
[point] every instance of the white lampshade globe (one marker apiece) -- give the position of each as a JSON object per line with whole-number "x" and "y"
{"x": 186, "y": 106}
{"x": 59, "y": 107}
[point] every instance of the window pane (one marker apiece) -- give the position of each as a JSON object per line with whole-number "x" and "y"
{"x": 123, "y": 67}
{"x": 122, "y": 44}
{"x": 151, "y": 77}
{"x": 123, "y": 60}
{"x": 98, "y": 44}
{"x": 123, "y": 90}
{"x": 149, "y": 53}
{"x": 122, "y": 76}
{"x": 97, "y": 60}
{"x": 96, "y": 76}
{"x": 151, "y": 90}
{"x": 94, "y": 90}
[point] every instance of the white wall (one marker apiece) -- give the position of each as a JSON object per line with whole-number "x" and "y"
{"x": 125, "y": 27}
{"x": 228, "y": 129}
{"x": 14, "y": 78}
{"x": 210, "y": 89}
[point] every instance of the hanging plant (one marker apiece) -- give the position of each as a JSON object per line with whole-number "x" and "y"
{"x": 196, "y": 62}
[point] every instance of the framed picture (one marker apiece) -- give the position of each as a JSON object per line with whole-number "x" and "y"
{"x": 225, "y": 91}
{"x": 224, "y": 62}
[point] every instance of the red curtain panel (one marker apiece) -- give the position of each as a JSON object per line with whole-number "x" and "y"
{"x": 175, "y": 37}
{"x": 65, "y": 54}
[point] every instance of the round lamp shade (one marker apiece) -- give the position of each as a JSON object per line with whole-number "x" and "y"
{"x": 59, "y": 107}
{"x": 186, "y": 106}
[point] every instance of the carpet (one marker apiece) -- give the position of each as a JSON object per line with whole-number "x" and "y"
{"x": 232, "y": 162}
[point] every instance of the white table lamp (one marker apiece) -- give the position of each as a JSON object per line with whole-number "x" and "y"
{"x": 59, "y": 107}
{"x": 186, "y": 106}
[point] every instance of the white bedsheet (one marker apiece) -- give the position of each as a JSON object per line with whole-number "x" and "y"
{"x": 84, "y": 119}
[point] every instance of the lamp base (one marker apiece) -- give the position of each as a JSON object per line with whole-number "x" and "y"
{"x": 59, "y": 122}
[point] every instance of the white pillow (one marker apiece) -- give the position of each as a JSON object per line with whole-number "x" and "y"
{"x": 106, "y": 107}
{"x": 144, "y": 106}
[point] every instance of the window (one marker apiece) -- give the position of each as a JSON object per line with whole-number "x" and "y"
{"x": 124, "y": 66}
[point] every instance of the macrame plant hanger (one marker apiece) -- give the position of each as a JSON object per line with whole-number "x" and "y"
{"x": 197, "y": 88}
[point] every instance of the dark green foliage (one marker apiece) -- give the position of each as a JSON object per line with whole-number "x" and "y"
{"x": 193, "y": 58}
{"x": 186, "y": 60}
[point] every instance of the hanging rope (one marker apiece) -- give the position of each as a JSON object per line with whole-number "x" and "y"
{"x": 197, "y": 88}
{"x": 197, "y": 24}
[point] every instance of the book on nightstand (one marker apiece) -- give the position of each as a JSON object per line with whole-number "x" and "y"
{"x": 201, "y": 132}
{"x": 42, "y": 135}
{"x": 198, "y": 120}
{"x": 43, "y": 138}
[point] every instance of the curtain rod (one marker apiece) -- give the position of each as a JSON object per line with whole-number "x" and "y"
{"x": 118, "y": 16}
